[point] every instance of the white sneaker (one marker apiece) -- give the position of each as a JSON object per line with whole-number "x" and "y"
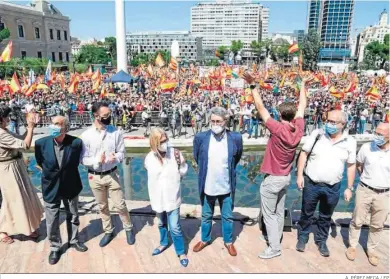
{"x": 268, "y": 253}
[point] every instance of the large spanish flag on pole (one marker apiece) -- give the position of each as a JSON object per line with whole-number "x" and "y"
{"x": 293, "y": 48}
{"x": 160, "y": 61}
{"x": 15, "y": 85}
{"x": 7, "y": 53}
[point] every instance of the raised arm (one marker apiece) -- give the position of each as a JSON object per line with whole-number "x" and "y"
{"x": 302, "y": 99}
{"x": 264, "y": 114}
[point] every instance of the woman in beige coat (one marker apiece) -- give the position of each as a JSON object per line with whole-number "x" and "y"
{"x": 21, "y": 211}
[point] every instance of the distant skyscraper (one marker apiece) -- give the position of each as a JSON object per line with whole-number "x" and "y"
{"x": 299, "y": 35}
{"x": 332, "y": 19}
{"x": 221, "y": 22}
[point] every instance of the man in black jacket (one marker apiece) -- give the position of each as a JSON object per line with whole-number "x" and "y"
{"x": 58, "y": 155}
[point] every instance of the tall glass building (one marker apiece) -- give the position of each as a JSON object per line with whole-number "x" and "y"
{"x": 333, "y": 20}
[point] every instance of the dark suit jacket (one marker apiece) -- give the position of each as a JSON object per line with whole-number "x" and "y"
{"x": 68, "y": 176}
{"x": 201, "y": 153}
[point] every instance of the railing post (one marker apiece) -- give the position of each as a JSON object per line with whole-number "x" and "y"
{"x": 127, "y": 177}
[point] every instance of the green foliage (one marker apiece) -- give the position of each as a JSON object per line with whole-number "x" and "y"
{"x": 110, "y": 43}
{"x": 213, "y": 62}
{"x": 376, "y": 55}
{"x": 4, "y": 34}
{"x": 236, "y": 46}
{"x": 91, "y": 54}
{"x": 310, "y": 48}
{"x": 23, "y": 66}
{"x": 256, "y": 49}
{"x": 280, "y": 52}
{"x": 80, "y": 68}
{"x": 150, "y": 58}
{"x": 222, "y": 50}
{"x": 261, "y": 49}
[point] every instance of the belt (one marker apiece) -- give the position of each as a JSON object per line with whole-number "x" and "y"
{"x": 102, "y": 172}
{"x": 378, "y": 191}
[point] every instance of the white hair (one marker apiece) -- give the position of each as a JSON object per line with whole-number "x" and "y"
{"x": 219, "y": 111}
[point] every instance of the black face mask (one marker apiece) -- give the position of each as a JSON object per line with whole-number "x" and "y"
{"x": 106, "y": 121}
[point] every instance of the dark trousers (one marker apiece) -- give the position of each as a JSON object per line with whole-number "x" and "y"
{"x": 327, "y": 196}
{"x": 52, "y": 211}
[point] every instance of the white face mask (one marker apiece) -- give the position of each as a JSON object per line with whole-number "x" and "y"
{"x": 163, "y": 147}
{"x": 216, "y": 129}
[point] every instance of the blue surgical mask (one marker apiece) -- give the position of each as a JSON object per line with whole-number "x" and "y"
{"x": 379, "y": 140}
{"x": 331, "y": 129}
{"x": 54, "y": 131}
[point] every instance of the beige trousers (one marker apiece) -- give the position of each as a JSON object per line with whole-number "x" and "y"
{"x": 369, "y": 201}
{"x": 104, "y": 186}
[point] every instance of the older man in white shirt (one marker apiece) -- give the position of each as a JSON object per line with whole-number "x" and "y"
{"x": 103, "y": 150}
{"x": 320, "y": 171}
{"x": 372, "y": 194}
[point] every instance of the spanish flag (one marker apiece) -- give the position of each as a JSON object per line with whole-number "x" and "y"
{"x": 351, "y": 87}
{"x": 104, "y": 92}
{"x": 373, "y": 94}
{"x": 293, "y": 48}
{"x": 15, "y": 85}
{"x": 173, "y": 64}
{"x": 96, "y": 84}
{"x": 96, "y": 75}
{"x": 336, "y": 93}
{"x": 31, "y": 90}
{"x": 7, "y": 53}
{"x": 159, "y": 61}
{"x": 265, "y": 86}
{"x": 73, "y": 86}
{"x": 150, "y": 70}
{"x": 168, "y": 85}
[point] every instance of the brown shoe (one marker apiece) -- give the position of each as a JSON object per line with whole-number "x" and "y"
{"x": 373, "y": 260}
{"x": 199, "y": 246}
{"x": 232, "y": 251}
{"x": 351, "y": 253}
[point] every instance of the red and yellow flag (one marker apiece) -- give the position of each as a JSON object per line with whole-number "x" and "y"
{"x": 168, "y": 85}
{"x": 150, "y": 70}
{"x": 7, "y": 53}
{"x": 293, "y": 48}
{"x": 173, "y": 64}
{"x": 373, "y": 94}
{"x": 159, "y": 61}
{"x": 15, "y": 85}
{"x": 31, "y": 90}
{"x": 96, "y": 75}
{"x": 336, "y": 93}
{"x": 103, "y": 92}
{"x": 73, "y": 86}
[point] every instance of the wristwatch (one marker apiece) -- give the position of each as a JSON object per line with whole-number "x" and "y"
{"x": 350, "y": 188}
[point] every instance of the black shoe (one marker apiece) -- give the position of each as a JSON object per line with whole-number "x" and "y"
{"x": 80, "y": 247}
{"x": 249, "y": 137}
{"x": 106, "y": 239}
{"x": 324, "y": 251}
{"x": 130, "y": 237}
{"x": 54, "y": 257}
{"x": 301, "y": 245}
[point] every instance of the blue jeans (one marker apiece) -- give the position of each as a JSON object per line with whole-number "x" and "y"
{"x": 246, "y": 126}
{"x": 225, "y": 203}
{"x": 362, "y": 126}
{"x": 375, "y": 124}
{"x": 171, "y": 219}
{"x": 254, "y": 124}
{"x": 14, "y": 127}
{"x": 327, "y": 196}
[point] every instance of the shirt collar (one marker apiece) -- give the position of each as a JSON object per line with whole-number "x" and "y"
{"x": 219, "y": 138}
{"x": 58, "y": 144}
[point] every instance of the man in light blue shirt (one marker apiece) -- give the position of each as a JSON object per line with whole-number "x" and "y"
{"x": 217, "y": 153}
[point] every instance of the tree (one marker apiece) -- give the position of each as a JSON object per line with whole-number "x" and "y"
{"x": 376, "y": 54}
{"x": 92, "y": 54}
{"x": 310, "y": 48}
{"x": 266, "y": 46}
{"x": 222, "y": 50}
{"x": 279, "y": 50}
{"x": 256, "y": 49}
{"x": 110, "y": 43}
{"x": 4, "y": 34}
{"x": 236, "y": 46}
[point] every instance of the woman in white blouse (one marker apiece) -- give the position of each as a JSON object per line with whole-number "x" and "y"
{"x": 166, "y": 166}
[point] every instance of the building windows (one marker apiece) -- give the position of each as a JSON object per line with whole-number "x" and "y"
{"x": 23, "y": 53}
{"x": 67, "y": 56}
{"x": 65, "y": 35}
{"x": 20, "y": 31}
{"x": 40, "y": 54}
{"x": 37, "y": 33}
{"x": 51, "y": 34}
{"x": 53, "y": 56}
{"x": 60, "y": 56}
{"x": 58, "y": 34}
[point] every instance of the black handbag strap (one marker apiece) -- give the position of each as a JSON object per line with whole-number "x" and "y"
{"x": 311, "y": 150}
{"x": 177, "y": 157}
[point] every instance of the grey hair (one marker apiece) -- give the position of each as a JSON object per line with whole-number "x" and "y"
{"x": 219, "y": 111}
{"x": 344, "y": 117}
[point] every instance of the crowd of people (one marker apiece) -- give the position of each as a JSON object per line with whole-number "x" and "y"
{"x": 272, "y": 98}
{"x": 147, "y": 102}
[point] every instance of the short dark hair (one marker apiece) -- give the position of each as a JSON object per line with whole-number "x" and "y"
{"x": 287, "y": 111}
{"x": 4, "y": 111}
{"x": 96, "y": 106}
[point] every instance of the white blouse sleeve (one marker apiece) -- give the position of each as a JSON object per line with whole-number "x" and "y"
{"x": 183, "y": 166}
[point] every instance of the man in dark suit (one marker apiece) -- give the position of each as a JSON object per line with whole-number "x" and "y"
{"x": 58, "y": 155}
{"x": 217, "y": 153}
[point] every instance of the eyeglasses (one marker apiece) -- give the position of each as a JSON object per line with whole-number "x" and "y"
{"x": 332, "y": 122}
{"x": 217, "y": 121}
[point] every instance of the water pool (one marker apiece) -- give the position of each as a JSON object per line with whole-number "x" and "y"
{"x": 248, "y": 182}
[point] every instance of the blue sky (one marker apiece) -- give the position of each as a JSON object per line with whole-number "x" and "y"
{"x": 96, "y": 19}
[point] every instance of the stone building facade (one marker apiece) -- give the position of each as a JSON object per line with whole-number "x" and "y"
{"x": 36, "y": 30}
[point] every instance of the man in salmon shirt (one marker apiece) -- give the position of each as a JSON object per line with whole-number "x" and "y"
{"x": 277, "y": 164}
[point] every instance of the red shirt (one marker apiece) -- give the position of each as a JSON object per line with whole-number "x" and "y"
{"x": 282, "y": 145}
{"x": 139, "y": 107}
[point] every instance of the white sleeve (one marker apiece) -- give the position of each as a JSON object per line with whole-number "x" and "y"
{"x": 183, "y": 167}
{"x": 309, "y": 141}
{"x": 87, "y": 158}
{"x": 352, "y": 152}
{"x": 362, "y": 153}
